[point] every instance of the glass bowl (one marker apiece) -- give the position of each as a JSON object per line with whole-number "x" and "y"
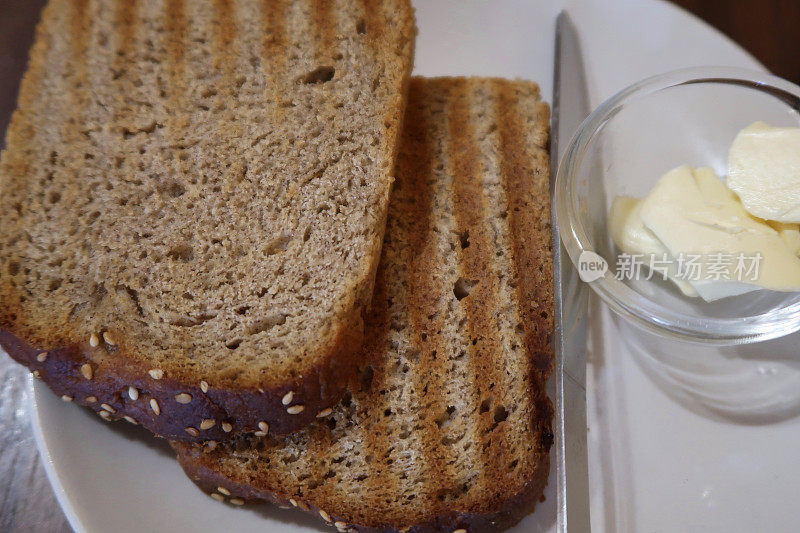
{"x": 691, "y": 117}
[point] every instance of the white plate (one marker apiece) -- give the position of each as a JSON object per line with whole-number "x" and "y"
{"x": 111, "y": 477}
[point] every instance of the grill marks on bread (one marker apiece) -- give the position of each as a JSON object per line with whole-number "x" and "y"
{"x": 515, "y": 118}
{"x": 170, "y": 179}
{"x": 80, "y": 34}
{"x": 477, "y": 274}
{"x": 126, "y": 20}
{"x": 453, "y": 430}
{"x": 80, "y": 30}
{"x": 275, "y": 43}
{"x": 421, "y": 250}
{"x": 175, "y": 20}
{"x": 226, "y": 30}
{"x": 376, "y": 438}
{"x": 324, "y": 25}
{"x": 523, "y": 179}
{"x": 274, "y": 13}
{"x": 372, "y": 23}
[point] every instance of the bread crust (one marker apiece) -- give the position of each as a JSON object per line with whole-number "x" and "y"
{"x": 224, "y": 406}
{"x": 112, "y": 378}
{"x": 504, "y": 514}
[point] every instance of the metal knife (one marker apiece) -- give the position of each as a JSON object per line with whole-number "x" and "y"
{"x": 570, "y": 107}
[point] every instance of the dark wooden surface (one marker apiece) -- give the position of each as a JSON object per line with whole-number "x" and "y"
{"x": 17, "y": 21}
{"x": 770, "y": 29}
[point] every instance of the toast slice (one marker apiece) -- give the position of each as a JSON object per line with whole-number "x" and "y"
{"x": 451, "y": 427}
{"x": 193, "y": 200}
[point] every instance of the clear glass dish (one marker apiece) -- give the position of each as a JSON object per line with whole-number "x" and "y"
{"x": 688, "y": 116}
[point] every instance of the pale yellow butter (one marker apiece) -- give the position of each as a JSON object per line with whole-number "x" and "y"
{"x": 790, "y": 233}
{"x": 764, "y": 171}
{"x": 693, "y": 212}
{"x": 632, "y": 237}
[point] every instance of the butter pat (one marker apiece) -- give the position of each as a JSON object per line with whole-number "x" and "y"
{"x": 692, "y": 212}
{"x": 630, "y": 234}
{"x": 790, "y": 233}
{"x": 764, "y": 171}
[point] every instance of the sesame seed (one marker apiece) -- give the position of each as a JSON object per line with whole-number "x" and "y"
{"x": 260, "y": 434}
{"x": 37, "y": 374}
{"x": 287, "y": 398}
{"x": 460, "y": 531}
{"x": 91, "y": 399}
{"x": 324, "y": 412}
{"x": 86, "y": 370}
{"x": 226, "y": 427}
{"x": 223, "y": 490}
{"x": 340, "y": 525}
{"x": 133, "y": 392}
{"x": 293, "y": 502}
{"x": 237, "y": 501}
{"x": 109, "y": 338}
{"x": 156, "y": 373}
{"x": 107, "y": 408}
{"x": 66, "y": 398}
{"x": 218, "y": 497}
{"x": 130, "y": 419}
{"x": 211, "y": 445}
{"x": 105, "y": 415}
{"x": 295, "y": 409}
{"x": 183, "y": 398}
{"x": 94, "y": 340}
{"x": 325, "y": 516}
{"x": 154, "y": 406}
{"x": 263, "y": 426}
{"x": 192, "y": 431}
{"x": 204, "y": 386}
{"x": 208, "y": 423}
{"x": 42, "y": 357}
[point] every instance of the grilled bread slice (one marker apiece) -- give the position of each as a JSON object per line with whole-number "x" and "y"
{"x": 193, "y": 200}
{"x": 450, "y": 429}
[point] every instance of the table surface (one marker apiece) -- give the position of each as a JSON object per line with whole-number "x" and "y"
{"x": 27, "y": 503}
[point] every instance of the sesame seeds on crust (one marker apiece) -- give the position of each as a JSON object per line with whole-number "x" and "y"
{"x": 86, "y": 370}
{"x": 109, "y": 338}
{"x": 287, "y": 398}
{"x": 183, "y": 398}
{"x": 295, "y": 409}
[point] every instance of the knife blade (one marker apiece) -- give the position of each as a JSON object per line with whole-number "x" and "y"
{"x": 570, "y": 108}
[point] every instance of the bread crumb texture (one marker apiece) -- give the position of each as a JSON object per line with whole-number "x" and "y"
{"x": 450, "y": 429}
{"x": 205, "y": 181}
